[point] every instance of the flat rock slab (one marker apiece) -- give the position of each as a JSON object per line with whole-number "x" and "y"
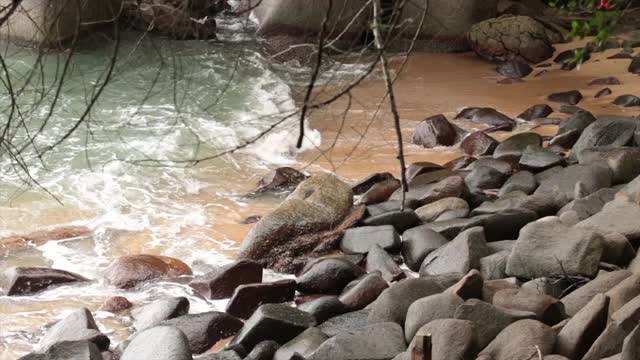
{"x": 359, "y": 240}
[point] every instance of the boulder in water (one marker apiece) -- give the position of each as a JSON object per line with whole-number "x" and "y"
{"x": 436, "y": 131}
{"x": 131, "y": 270}
{"x": 318, "y": 204}
{"x": 281, "y": 179}
{"x": 29, "y": 280}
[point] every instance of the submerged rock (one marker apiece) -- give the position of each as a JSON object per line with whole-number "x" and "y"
{"x": 536, "y": 112}
{"x": 281, "y": 179}
{"x": 514, "y": 69}
{"x": 131, "y": 270}
{"x": 28, "y": 280}
{"x": 627, "y": 101}
{"x": 478, "y": 144}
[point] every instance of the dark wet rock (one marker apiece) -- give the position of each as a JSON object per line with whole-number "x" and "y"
{"x": 604, "y": 282}
{"x": 452, "y": 186}
{"x": 476, "y": 197}
{"x": 131, "y": 270}
{"x": 468, "y": 287}
{"x": 68, "y": 350}
{"x": 609, "y": 343}
{"x": 572, "y": 97}
{"x": 380, "y": 192}
{"x": 249, "y": 297}
{"x": 487, "y": 116}
{"x": 345, "y": 323}
{"x": 511, "y": 37}
{"x": 506, "y": 224}
{"x": 365, "y": 184}
{"x": 515, "y": 146}
{"x": 538, "y": 252}
{"x": 566, "y": 56}
{"x": 159, "y": 343}
{"x": 392, "y": 305}
{"x": 204, "y": 330}
{"x": 611, "y": 80}
{"x": 504, "y": 166}
{"x": 173, "y": 19}
{"x": 621, "y": 55}
{"x": 359, "y": 240}
{"x": 536, "y": 159}
{"x": 460, "y": 163}
{"x": 378, "y": 341}
{"x": 418, "y": 243}
{"x": 116, "y": 304}
{"x": 451, "y": 228}
{"x": 571, "y": 109}
{"x": 400, "y": 220}
{"x": 420, "y": 168}
{"x": 521, "y": 181}
{"x": 522, "y": 340}
{"x": 328, "y": 276}
{"x": 478, "y": 144}
{"x": 436, "y": 131}
{"x": 222, "y": 282}
{"x": 485, "y": 178}
{"x": 364, "y": 292}
{"x": 317, "y": 205}
{"x": 488, "y": 320}
{"x": 603, "y": 92}
{"x": 624, "y": 162}
{"x": 263, "y": 351}
{"x": 514, "y": 69}
{"x": 542, "y": 204}
{"x": 627, "y": 101}
{"x": 536, "y": 112}
{"x": 450, "y": 339}
{"x": 614, "y": 131}
{"x": 460, "y": 255}
{"x": 616, "y": 216}
{"x": 304, "y": 344}
{"x": 427, "y": 178}
{"x": 252, "y": 219}
{"x": 391, "y": 205}
{"x": 582, "y": 330}
{"x": 281, "y": 179}
{"x": 153, "y": 314}
{"x": 379, "y": 260}
{"x": 324, "y": 307}
{"x": 493, "y": 267}
{"x": 576, "y": 181}
{"x": 445, "y": 209}
{"x": 277, "y": 322}
{"x": 570, "y": 130}
{"x": 29, "y": 280}
{"x": 634, "y": 67}
{"x": 425, "y": 310}
{"x": 77, "y": 326}
{"x": 548, "y": 309}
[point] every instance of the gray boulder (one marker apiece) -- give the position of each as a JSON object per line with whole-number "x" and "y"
{"x": 619, "y": 216}
{"x": 460, "y": 255}
{"x": 359, "y": 240}
{"x": 604, "y": 282}
{"x": 522, "y": 340}
{"x": 591, "y": 204}
{"x": 153, "y": 314}
{"x": 392, "y": 305}
{"x": 612, "y": 131}
{"x": 547, "y": 247}
{"x": 582, "y": 330}
{"x": 444, "y": 209}
{"x": 345, "y": 323}
{"x": 624, "y": 162}
{"x": 425, "y": 310}
{"x": 77, "y": 326}
{"x": 450, "y": 339}
{"x": 205, "y": 329}
{"x": 521, "y": 181}
{"x": 68, "y": 350}
{"x": 493, "y": 267}
{"x": 576, "y": 181}
{"x": 515, "y": 146}
{"x": 379, "y": 341}
{"x": 318, "y": 204}
{"x": 29, "y": 280}
{"x": 304, "y": 344}
{"x": 418, "y": 243}
{"x": 158, "y": 343}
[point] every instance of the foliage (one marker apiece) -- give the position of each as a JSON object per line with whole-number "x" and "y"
{"x": 603, "y": 17}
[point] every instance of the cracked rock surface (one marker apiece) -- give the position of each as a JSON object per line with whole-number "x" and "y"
{"x": 511, "y": 38}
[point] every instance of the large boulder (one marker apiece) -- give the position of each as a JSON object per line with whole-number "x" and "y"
{"x": 511, "y": 38}
{"x": 425, "y": 310}
{"x": 29, "y": 280}
{"x": 392, "y": 305}
{"x": 318, "y": 204}
{"x": 576, "y": 181}
{"x": 68, "y": 350}
{"x": 131, "y": 270}
{"x": 248, "y": 297}
{"x": 582, "y": 330}
{"x": 624, "y": 162}
{"x": 222, "y": 282}
{"x": 445, "y": 24}
{"x": 153, "y": 314}
{"x": 617, "y": 216}
{"x": 205, "y": 329}
{"x": 548, "y": 247}
{"x": 612, "y": 131}
{"x": 604, "y": 282}
{"x": 461, "y": 255}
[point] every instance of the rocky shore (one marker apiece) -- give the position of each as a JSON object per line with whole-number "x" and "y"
{"x": 520, "y": 249}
